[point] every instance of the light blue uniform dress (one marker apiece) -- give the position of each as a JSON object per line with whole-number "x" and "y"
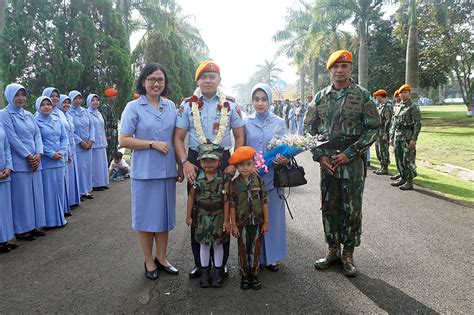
{"x": 72, "y": 187}
{"x": 291, "y": 120}
{"x": 259, "y": 130}
{"x": 83, "y": 131}
{"x": 153, "y": 173}
{"x": 300, "y": 111}
{"x": 27, "y": 186}
{"x": 100, "y": 167}
{"x": 55, "y": 140}
{"x": 6, "y": 216}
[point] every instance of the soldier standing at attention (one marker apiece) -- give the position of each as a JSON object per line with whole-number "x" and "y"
{"x": 396, "y": 104}
{"x": 110, "y": 118}
{"x": 286, "y": 112}
{"x": 382, "y": 143}
{"x": 403, "y": 136}
{"x": 345, "y": 114}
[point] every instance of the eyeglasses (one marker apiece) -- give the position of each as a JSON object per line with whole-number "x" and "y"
{"x": 152, "y": 81}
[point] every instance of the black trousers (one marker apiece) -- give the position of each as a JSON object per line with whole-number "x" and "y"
{"x": 195, "y": 246}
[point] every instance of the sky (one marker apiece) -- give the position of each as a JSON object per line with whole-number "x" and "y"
{"x": 239, "y": 35}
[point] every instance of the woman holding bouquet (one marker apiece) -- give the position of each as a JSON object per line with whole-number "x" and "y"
{"x": 260, "y": 128}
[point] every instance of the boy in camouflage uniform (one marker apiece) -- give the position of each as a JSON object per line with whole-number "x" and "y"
{"x": 382, "y": 143}
{"x": 249, "y": 212}
{"x": 345, "y": 114}
{"x": 403, "y": 136}
{"x": 209, "y": 197}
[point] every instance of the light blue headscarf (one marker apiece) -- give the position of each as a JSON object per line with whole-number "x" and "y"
{"x": 62, "y": 98}
{"x": 267, "y": 90}
{"x": 49, "y": 90}
{"x": 73, "y": 94}
{"x": 89, "y": 102}
{"x": 39, "y": 100}
{"x": 10, "y": 92}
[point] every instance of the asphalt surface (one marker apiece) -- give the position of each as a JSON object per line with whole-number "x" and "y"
{"x": 416, "y": 256}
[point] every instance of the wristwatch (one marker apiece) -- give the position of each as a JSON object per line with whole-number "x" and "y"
{"x": 183, "y": 161}
{"x": 150, "y": 143}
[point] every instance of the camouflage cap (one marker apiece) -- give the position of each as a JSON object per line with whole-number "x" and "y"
{"x": 210, "y": 151}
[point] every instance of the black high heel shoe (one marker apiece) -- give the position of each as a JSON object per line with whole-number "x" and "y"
{"x": 170, "y": 269}
{"x": 152, "y": 275}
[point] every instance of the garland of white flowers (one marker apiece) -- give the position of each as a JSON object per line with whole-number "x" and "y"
{"x": 224, "y": 112}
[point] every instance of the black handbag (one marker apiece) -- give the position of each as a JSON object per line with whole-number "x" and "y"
{"x": 289, "y": 175}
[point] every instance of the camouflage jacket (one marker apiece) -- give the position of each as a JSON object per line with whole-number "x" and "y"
{"x": 406, "y": 123}
{"x": 248, "y": 199}
{"x": 348, "y": 118}
{"x": 210, "y": 194}
{"x": 110, "y": 120}
{"x": 386, "y": 113}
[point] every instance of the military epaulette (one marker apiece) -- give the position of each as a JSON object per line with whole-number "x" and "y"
{"x": 230, "y": 98}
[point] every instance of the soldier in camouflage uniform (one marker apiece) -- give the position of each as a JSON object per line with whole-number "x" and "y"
{"x": 110, "y": 118}
{"x": 286, "y": 112}
{"x": 345, "y": 114}
{"x": 382, "y": 143}
{"x": 396, "y": 104}
{"x": 208, "y": 197}
{"x": 403, "y": 136}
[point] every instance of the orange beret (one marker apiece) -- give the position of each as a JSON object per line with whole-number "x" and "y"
{"x": 380, "y": 92}
{"x": 404, "y": 87}
{"x": 243, "y": 153}
{"x": 339, "y": 56}
{"x": 135, "y": 96}
{"x": 287, "y": 100}
{"x": 309, "y": 97}
{"x": 110, "y": 92}
{"x": 396, "y": 93}
{"x": 206, "y": 66}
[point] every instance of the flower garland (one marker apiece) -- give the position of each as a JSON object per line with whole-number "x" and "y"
{"x": 223, "y": 107}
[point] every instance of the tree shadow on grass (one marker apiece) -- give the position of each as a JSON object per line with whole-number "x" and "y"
{"x": 389, "y": 298}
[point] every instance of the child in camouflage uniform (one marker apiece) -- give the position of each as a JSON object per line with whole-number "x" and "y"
{"x": 249, "y": 212}
{"x": 208, "y": 197}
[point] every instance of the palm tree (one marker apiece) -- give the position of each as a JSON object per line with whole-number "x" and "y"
{"x": 268, "y": 72}
{"x": 412, "y": 75}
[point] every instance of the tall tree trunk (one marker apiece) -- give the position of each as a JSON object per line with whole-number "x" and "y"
{"x": 315, "y": 75}
{"x": 302, "y": 83}
{"x": 411, "y": 69}
{"x": 363, "y": 77}
{"x": 2, "y": 102}
{"x": 441, "y": 93}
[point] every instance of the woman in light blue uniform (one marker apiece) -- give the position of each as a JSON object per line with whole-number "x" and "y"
{"x": 54, "y": 96}
{"x": 6, "y": 218}
{"x": 84, "y": 136}
{"x": 26, "y": 181}
{"x": 147, "y": 127}
{"x": 55, "y": 145}
{"x": 74, "y": 197}
{"x": 100, "y": 173}
{"x": 260, "y": 128}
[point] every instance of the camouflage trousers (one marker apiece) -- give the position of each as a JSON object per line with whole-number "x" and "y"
{"x": 112, "y": 146}
{"x": 382, "y": 151}
{"x": 250, "y": 245}
{"x": 405, "y": 159}
{"x": 342, "y": 208}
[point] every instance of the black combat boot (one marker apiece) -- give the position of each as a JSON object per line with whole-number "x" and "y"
{"x": 395, "y": 177}
{"x": 217, "y": 277}
{"x": 382, "y": 171}
{"x": 348, "y": 267}
{"x": 408, "y": 185}
{"x": 398, "y": 182}
{"x": 333, "y": 255}
{"x": 204, "y": 281}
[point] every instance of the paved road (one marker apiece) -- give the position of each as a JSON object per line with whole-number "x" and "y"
{"x": 416, "y": 256}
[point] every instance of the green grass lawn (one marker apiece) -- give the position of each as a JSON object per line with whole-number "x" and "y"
{"x": 447, "y": 136}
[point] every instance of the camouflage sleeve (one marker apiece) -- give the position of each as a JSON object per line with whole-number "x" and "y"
{"x": 416, "y": 114}
{"x": 231, "y": 194}
{"x": 312, "y": 121}
{"x": 370, "y": 124}
{"x": 263, "y": 189}
{"x": 388, "y": 119}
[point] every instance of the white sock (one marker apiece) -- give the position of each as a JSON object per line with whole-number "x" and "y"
{"x": 218, "y": 255}
{"x": 204, "y": 254}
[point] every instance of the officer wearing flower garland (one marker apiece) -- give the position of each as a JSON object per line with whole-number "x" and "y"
{"x": 345, "y": 114}
{"x": 207, "y": 116}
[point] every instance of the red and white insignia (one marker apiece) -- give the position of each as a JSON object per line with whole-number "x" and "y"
{"x": 237, "y": 109}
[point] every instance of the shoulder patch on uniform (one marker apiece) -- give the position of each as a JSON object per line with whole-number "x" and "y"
{"x": 230, "y": 98}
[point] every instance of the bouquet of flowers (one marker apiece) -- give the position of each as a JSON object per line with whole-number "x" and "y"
{"x": 290, "y": 146}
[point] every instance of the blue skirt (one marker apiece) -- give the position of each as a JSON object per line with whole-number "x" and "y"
{"x": 153, "y": 204}
{"x": 27, "y": 201}
{"x": 274, "y": 242}
{"x": 54, "y": 186}
{"x": 100, "y": 169}
{"x": 6, "y": 217}
{"x": 84, "y": 170}
{"x": 74, "y": 197}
